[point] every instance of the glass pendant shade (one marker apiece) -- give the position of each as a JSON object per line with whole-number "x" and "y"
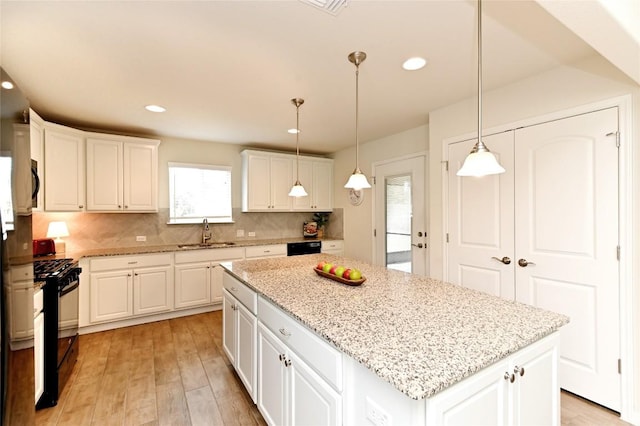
{"x": 297, "y": 190}
{"x": 357, "y": 181}
{"x": 480, "y": 163}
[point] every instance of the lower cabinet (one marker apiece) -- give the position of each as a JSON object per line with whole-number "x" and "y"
{"x": 290, "y": 392}
{"x": 38, "y": 345}
{"x": 239, "y": 328}
{"x": 141, "y": 289}
{"x": 198, "y": 276}
{"x": 521, "y": 389}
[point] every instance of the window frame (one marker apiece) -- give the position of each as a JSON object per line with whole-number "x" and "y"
{"x": 197, "y": 220}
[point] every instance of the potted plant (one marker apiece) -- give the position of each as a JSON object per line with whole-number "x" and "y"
{"x": 321, "y": 219}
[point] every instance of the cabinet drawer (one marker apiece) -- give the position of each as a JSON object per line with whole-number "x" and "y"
{"x": 240, "y": 291}
{"x": 22, "y": 272}
{"x": 208, "y": 255}
{"x": 266, "y": 251}
{"x": 324, "y": 359}
{"x": 130, "y": 262}
{"x": 337, "y": 245}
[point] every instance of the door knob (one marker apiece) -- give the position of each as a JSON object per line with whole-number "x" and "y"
{"x": 504, "y": 260}
{"x": 419, "y": 245}
{"x": 524, "y": 263}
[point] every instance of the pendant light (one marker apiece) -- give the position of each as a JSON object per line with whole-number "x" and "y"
{"x": 480, "y": 161}
{"x": 357, "y": 180}
{"x": 297, "y": 190}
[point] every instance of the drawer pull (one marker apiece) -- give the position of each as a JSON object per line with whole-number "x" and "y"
{"x": 234, "y": 289}
{"x": 284, "y": 332}
{"x": 132, "y": 262}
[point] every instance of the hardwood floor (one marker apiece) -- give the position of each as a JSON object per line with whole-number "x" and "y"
{"x": 175, "y": 373}
{"x": 164, "y": 373}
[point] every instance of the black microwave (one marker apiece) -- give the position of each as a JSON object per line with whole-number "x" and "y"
{"x": 35, "y": 183}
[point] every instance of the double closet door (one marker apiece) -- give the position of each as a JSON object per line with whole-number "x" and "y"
{"x": 545, "y": 233}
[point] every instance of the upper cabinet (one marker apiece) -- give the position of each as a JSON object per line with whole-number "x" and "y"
{"x": 316, "y": 175}
{"x": 64, "y": 181}
{"x": 122, "y": 174}
{"x": 267, "y": 179}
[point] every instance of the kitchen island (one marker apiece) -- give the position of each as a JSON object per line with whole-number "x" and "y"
{"x": 413, "y": 349}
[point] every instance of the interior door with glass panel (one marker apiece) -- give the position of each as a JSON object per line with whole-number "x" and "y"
{"x": 400, "y": 215}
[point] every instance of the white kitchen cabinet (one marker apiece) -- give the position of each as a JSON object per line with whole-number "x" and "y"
{"x": 262, "y": 252}
{"x": 266, "y": 181}
{"x": 125, "y": 286}
{"x": 517, "y": 390}
{"x": 240, "y": 331}
{"x": 316, "y": 175}
{"x": 37, "y": 153}
{"x": 122, "y": 174}
{"x": 290, "y": 392}
{"x": 22, "y": 168}
{"x": 38, "y": 344}
{"x": 64, "y": 171}
{"x": 335, "y": 247}
{"x": 20, "y": 303}
{"x": 198, "y": 275}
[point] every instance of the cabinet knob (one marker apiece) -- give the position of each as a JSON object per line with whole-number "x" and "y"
{"x": 287, "y": 362}
{"x": 128, "y": 275}
{"x": 234, "y": 289}
{"x": 119, "y": 206}
{"x": 518, "y": 370}
{"x": 281, "y": 357}
{"x": 80, "y": 206}
{"x": 126, "y": 207}
{"x": 510, "y": 377}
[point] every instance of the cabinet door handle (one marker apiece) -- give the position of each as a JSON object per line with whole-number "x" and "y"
{"x": 504, "y": 260}
{"x": 81, "y": 206}
{"x": 128, "y": 275}
{"x": 287, "y": 362}
{"x": 281, "y": 357}
{"x": 518, "y": 370}
{"x": 510, "y": 377}
{"x": 284, "y": 332}
{"x": 234, "y": 289}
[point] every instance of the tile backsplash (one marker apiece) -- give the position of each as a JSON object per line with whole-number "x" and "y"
{"x": 113, "y": 230}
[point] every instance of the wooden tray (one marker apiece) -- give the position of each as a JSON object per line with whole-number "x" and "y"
{"x": 339, "y": 279}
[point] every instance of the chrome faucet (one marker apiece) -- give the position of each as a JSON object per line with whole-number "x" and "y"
{"x": 206, "y": 232}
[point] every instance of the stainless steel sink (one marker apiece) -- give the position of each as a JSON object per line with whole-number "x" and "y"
{"x": 206, "y": 245}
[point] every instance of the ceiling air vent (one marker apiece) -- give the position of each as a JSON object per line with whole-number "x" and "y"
{"x": 331, "y": 6}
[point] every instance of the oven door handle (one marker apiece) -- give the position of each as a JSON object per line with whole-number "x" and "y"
{"x": 69, "y": 288}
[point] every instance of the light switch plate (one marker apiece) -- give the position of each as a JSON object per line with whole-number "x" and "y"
{"x": 141, "y": 238}
{"x": 240, "y": 233}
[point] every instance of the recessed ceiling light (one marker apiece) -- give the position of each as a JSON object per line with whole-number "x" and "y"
{"x": 155, "y": 108}
{"x": 293, "y": 131}
{"x": 7, "y": 85}
{"x": 414, "y": 63}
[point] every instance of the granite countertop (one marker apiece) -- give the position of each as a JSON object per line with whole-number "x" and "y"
{"x": 421, "y": 335}
{"x": 146, "y": 249}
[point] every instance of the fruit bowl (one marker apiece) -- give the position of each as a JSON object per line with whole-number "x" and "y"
{"x": 339, "y": 279}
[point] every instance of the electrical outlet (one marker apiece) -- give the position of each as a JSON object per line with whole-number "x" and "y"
{"x": 252, "y": 234}
{"x": 375, "y": 414}
{"x": 141, "y": 238}
{"x": 240, "y": 233}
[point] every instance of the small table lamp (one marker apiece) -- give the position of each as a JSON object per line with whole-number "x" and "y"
{"x": 57, "y": 230}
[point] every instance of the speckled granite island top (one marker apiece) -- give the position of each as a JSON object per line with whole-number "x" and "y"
{"x": 419, "y": 334}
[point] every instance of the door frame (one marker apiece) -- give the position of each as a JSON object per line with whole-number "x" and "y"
{"x": 629, "y": 390}
{"x": 424, "y": 154}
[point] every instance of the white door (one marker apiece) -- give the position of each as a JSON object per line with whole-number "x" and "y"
{"x": 272, "y": 386}
{"x": 555, "y": 211}
{"x": 567, "y": 226}
{"x": 229, "y": 334}
{"x": 400, "y": 216}
{"x": 104, "y": 175}
{"x": 480, "y": 221}
{"x": 152, "y": 290}
{"x": 140, "y": 167}
{"x": 247, "y": 326}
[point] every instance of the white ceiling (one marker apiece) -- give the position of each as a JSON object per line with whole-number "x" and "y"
{"x": 226, "y": 70}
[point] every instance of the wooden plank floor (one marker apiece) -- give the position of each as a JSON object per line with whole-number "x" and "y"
{"x": 175, "y": 373}
{"x": 164, "y": 373}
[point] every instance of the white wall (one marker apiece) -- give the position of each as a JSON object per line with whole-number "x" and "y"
{"x": 563, "y": 88}
{"x": 358, "y": 219}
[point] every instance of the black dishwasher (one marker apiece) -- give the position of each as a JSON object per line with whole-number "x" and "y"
{"x": 304, "y": 247}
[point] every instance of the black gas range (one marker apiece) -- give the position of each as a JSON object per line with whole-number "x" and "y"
{"x": 61, "y": 281}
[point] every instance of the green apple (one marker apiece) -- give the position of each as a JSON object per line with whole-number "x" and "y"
{"x": 327, "y": 267}
{"x": 355, "y": 274}
{"x": 339, "y": 271}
